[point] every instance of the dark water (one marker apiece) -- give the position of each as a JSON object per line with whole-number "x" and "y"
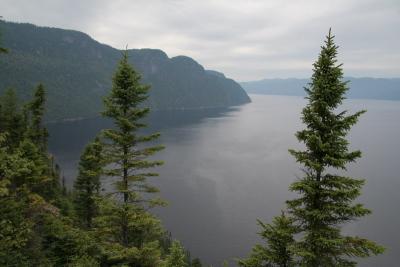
{"x": 227, "y": 167}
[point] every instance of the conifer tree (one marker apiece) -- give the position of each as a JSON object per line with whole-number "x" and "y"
{"x": 35, "y": 140}
{"x": 37, "y": 132}
{"x": 15, "y": 229}
{"x": 33, "y": 232}
{"x": 176, "y": 256}
{"x": 12, "y": 119}
{"x": 279, "y": 237}
{"x": 134, "y": 231}
{"x": 326, "y": 197}
{"x": 87, "y": 184}
{"x": 123, "y": 106}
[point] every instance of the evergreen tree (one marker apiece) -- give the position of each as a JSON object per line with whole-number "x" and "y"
{"x": 326, "y": 198}
{"x": 33, "y": 228}
{"x": 279, "y": 250}
{"x": 176, "y": 256}
{"x": 144, "y": 231}
{"x": 123, "y": 150}
{"x": 87, "y": 184}
{"x": 12, "y": 120}
{"x": 132, "y": 228}
{"x": 15, "y": 229}
{"x": 35, "y": 141}
{"x": 37, "y": 133}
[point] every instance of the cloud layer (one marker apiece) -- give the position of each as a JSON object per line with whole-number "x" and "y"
{"x": 247, "y": 40}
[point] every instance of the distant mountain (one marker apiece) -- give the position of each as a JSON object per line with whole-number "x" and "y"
{"x": 369, "y": 88}
{"x": 77, "y": 72}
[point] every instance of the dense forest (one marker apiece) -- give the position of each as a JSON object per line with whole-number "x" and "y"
{"x": 43, "y": 223}
{"x": 78, "y": 70}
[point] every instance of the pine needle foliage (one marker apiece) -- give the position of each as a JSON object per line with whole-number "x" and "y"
{"x": 326, "y": 197}
{"x": 278, "y": 251}
{"x": 176, "y": 257}
{"x": 126, "y": 155}
{"x": 87, "y": 185}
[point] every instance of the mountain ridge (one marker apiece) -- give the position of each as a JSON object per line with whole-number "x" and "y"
{"x": 77, "y": 71}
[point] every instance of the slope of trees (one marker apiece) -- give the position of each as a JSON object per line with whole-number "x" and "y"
{"x": 77, "y": 70}
{"x": 326, "y": 197}
{"x": 43, "y": 224}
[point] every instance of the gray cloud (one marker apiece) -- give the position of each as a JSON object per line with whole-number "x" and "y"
{"x": 244, "y": 39}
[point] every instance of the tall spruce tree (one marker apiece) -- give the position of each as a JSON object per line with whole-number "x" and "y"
{"x": 12, "y": 119}
{"x": 37, "y": 132}
{"x": 87, "y": 184}
{"x": 132, "y": 227}
{"x": 278, "y": 252}
{"x": 326, "y": 198}
{"x": 35, "y": 138}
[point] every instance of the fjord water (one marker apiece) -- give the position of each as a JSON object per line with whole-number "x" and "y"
{"x": 225, "y": 168}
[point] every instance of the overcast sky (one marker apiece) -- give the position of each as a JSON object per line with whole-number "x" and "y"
{"x": 246, "y": 40}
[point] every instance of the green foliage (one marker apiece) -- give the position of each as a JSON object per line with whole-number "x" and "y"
{"x": 43, "y": 224}
{"x": 62, "y": 242}
{"x": 142, "y": 227}
{"x": 37, "y": 132}
{"x": 176, "y": 256}
{"x": 196, "y": 263}
{"x": 87, "y": 184}
{"x": 77, "y": 71}
{"x": 143, "y": 232}
{"x": 122, "y": 145}
{"x": 38, "y": 225}
{"x": 33, "y": 229}
{"x": 279, "y": 237}
{"x": 126, "y": 160}
{"x": 83, "y": 261}
{"x": 15, "y": 232}
{"x": 11, "y": 119}
{"x": 326, "y": 199}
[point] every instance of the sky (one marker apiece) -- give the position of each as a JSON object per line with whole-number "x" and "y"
{"x": 246, "y": 40}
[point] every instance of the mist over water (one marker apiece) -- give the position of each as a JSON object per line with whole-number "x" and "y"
{"x": 225, "y": 168}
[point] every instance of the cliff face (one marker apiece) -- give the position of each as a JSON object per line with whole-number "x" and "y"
{"x": 77, "y": 72}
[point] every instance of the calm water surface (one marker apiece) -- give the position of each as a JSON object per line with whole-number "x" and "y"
{"x": 224, "y": 168}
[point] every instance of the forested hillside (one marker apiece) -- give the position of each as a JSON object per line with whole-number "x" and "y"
{"x": 77, "y": 71}
{"x": 42, "y": 223}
